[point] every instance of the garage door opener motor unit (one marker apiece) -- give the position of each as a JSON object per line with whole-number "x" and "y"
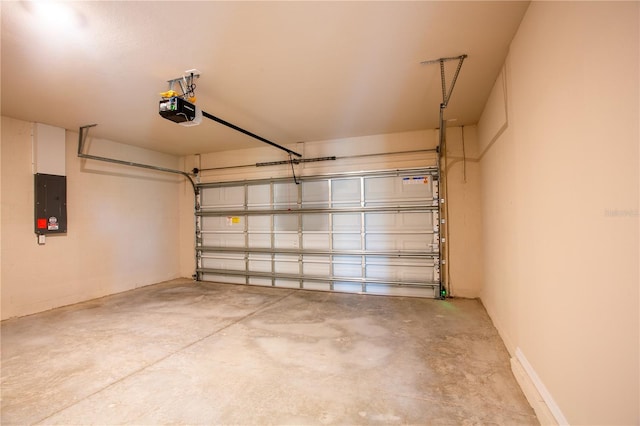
{"x": 180, "y": 111}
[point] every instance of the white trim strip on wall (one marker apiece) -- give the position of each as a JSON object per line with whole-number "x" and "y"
{"x": 541, "y": 388}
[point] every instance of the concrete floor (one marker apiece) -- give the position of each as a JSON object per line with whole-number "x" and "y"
{"x": 201, "y": 353}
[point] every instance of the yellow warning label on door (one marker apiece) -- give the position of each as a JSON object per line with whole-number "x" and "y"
{"x": 233, "y": 220}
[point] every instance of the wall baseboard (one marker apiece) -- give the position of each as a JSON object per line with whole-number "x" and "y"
{"x": 536, "y": 393}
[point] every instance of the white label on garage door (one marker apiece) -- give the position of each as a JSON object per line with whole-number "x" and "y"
{"x": 415, "y": 180}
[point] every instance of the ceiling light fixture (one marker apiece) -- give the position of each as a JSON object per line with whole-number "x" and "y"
{"x": 56, "y": 14}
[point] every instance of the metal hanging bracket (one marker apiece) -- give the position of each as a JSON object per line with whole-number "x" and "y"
{"x": 446, "y": 94}
{"x": 82, "y": 136}
{"x": 187, "y": 86}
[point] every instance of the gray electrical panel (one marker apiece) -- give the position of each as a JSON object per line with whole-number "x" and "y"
{"x": 50, "y": 204}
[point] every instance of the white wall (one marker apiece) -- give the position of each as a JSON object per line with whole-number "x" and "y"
{"x": 123, "y": 225}
{"x": 1, "y": 204}
{"x": 464, "y": 196}
{"x": 465, "y": 213}
{"x": 559, "y": 182}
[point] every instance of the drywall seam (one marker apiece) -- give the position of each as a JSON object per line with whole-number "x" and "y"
{"x": 505, "y": 126}
{"x": 541, "y": 388}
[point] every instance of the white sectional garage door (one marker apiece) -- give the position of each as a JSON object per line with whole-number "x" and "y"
{"x": 373, "y": 232}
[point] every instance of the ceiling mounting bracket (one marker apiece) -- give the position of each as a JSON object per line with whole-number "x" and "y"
{"x": 446, "y": 95}
{"x": 186, "y": 84}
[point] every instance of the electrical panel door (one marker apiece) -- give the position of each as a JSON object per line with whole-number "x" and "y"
{"x": 50, "y": 204}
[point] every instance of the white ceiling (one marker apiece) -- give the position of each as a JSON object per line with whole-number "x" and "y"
{"x": 288, "y": 71}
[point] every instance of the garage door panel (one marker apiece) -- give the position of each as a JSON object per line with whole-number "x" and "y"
{"x": 224, "y": 197}
{"x": 315, "y": 285}
{"x": 224, "y": 224}
{"x": 398, "y": 242}
{"x": 396, "y": 189}
{"x": 260, "y": 281}
{"x": 283, "y": 222}
{"x": 347, "y": 287}
{"x": 316, "y": 193}
{"x": 223, "y": 263}
{"x": 346, "y": 270}
{"x": 259, "y": 196}
{"x": 315, "y": 222}
{"x": 399, "y": 273}
{"x": 259, "y": 240}
{"x": 346, "y": 191}
{"x": 399, "y": 222}
{"x": 284, "y": 264}
{"x": 388, "y": 290}
{"x": 383, "y": 247}
{"x": 260, "y": 265}
{"x": 231, "y": 279}
{"x": 286, "y": 241}
{"x": 316, "y": 241}
{"x": 259, "y": 223}
{"x": 223, "y": 240}
{"x": 285, "y": 194}
{"x": 346, "y": 221}
{"x": 316, "y": 270}
{"x": 287, "y": 283}
{"x": 347, "y": 242}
